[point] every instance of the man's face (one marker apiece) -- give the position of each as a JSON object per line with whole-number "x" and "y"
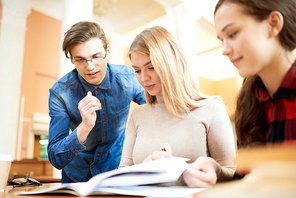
{"x": 93, "y": 71}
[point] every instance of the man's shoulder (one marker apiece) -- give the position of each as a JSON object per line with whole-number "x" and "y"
{"x": 120, "y": 69}
{"x": 66, "y": 81}
{"x": 123, "y": 74}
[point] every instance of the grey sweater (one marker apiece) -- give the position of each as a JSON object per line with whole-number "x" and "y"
{"x": 206, "y": 131}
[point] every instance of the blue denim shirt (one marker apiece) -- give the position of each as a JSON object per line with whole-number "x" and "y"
{"x": 102, "y": 149}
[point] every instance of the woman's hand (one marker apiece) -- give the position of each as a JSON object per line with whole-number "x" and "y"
{"x": 201, "y": 173}
{"x": 164, "y": 153}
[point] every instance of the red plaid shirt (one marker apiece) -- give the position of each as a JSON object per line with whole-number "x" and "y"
{"x": 281, "y": 109}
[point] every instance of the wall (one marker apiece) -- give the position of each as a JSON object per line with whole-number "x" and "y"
{"x": 224, "y": 88}
{"x": 40, "y": 67}
{"x": 0, "y": 13}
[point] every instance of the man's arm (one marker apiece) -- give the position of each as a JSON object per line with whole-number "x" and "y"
{"x": 62, "y": 146}
{"x": 87, "y": 108}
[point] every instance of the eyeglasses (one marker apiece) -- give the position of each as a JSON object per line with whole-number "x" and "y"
{"x": 94, "y": 60}
{"x": 23, "y": 181}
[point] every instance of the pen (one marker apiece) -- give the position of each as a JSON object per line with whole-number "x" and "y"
{"x": 162, "y": 147}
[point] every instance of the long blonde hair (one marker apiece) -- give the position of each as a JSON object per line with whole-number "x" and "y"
{"x": 180, "y": 93}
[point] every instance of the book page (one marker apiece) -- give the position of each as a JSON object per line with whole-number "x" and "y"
{"x": 166, "y": 170}
{"x": 157, "y": 171}
{"x": 152, "y": 191}
{"x": 77, "y": 189}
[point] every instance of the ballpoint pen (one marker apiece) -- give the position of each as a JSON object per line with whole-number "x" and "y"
{"x": 162, "y": 147}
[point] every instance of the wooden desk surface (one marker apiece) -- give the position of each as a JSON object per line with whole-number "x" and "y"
{"x": 251, "y": 187}
{"x": 273, "y": 175}
{"x": 11, "y": 192}
{"x": 47, "y": 179}
{"x": 245, "y": 188}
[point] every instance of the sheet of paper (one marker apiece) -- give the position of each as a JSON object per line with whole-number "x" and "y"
{"x": 153, "y": 191}
{"x": 164, "y": 170}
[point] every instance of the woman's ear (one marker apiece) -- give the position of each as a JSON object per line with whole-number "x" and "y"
{"x": 108, "y": 51}
{"x": 276, "y": 22}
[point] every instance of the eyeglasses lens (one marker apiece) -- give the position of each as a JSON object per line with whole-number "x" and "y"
{"x": 23, "y": 181}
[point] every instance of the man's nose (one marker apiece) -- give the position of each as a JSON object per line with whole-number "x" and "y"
{"x": 89, "y": 64}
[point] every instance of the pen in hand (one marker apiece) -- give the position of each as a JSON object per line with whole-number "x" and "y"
{"x": 167, "y": 149}
{"x": 162, "y": 147}
{"x": 164, "y": 153}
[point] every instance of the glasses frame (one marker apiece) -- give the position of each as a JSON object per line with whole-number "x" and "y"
{"x": 22, "y": 181}
{"x": 86, "y": 60}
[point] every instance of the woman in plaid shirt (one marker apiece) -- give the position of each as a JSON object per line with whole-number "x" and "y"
{"x": 258, "y": 38}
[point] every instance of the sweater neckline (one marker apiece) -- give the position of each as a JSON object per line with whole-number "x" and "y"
{"x": 159, "y": 99}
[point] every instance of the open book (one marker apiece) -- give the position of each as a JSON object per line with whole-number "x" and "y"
{"x": 127, "y": 180}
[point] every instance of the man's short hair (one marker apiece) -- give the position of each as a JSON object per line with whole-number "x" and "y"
{"x": 82, "y": 32}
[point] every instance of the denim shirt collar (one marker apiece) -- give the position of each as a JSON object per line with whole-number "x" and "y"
{"x": 106, "y": 84}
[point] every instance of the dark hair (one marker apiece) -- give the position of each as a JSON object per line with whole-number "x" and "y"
{"x": 260, "y": 10}
{"x": 250, "y": 123}
{"x": 81, "y": 32}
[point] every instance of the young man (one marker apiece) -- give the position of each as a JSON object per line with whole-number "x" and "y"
{"x": 89, "y": 107}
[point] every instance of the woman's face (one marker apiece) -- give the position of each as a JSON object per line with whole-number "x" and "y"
{"x": 246, "y": 41}
{"x": 146, "y": 74}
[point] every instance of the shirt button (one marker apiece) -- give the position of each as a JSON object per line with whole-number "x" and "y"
{"x": 92, "y": 166}
{"x": 97, "y": 89}
{"x": 104, "y": 120}
{"x": 104, "y": 134}
{"x": 77, "y": 148}
{"x": 98, "y": 155}
{"x": 71, "y": 159}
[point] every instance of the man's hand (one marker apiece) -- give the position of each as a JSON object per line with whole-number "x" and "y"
{"x": 87, "y": 108}
{"x": 201, "y": 173}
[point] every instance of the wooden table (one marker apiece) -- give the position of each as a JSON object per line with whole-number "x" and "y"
{"x": 273, "y": 175}
{"x": 245, "y": 188}
{"x": 47, "y": 179}
{"x": 252, "y": 186}
{"x": 12, "y": 192}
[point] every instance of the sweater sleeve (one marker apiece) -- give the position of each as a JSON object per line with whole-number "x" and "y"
{"x": 221, "y": 143}
{"x": 130, "y": 138}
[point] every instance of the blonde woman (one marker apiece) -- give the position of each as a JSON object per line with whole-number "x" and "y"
{"x": 193, "y": 125}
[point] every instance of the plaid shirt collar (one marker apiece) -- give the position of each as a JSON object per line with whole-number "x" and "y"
{"x": 286, "y": 90}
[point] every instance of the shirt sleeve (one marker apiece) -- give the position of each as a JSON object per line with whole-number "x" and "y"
{"x": 63, "y": 146}
{"x": 221, "y": 141}
{"x": 127, "y": 152}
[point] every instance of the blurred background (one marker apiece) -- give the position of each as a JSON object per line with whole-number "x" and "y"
{"x": 31, "y": 59}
